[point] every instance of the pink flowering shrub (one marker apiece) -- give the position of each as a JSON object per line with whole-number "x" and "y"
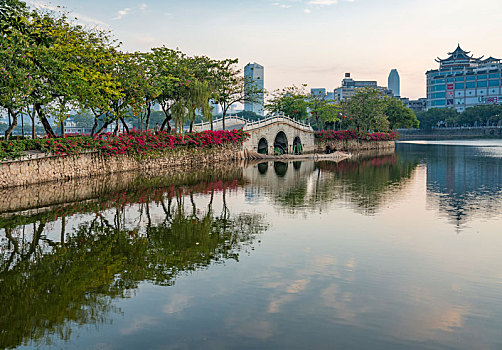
{"x": 134, "y": 143}
{"x": 355, "y": 135}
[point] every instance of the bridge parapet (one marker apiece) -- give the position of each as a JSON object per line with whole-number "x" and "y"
{"x": 277, "y": 119}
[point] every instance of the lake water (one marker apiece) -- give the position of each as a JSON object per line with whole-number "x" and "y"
{"x": 388, "y": 251}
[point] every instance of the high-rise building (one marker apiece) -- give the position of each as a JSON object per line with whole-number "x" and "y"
{"x": 463, "y": 81}
{"x": 254, "y": 78}
{"x": 350, "y": 86}
{"x": 393, "y": 83}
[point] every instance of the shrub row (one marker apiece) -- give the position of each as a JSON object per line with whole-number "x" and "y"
{"x": 356, "y": 135}
{"x": 135, "y": 143}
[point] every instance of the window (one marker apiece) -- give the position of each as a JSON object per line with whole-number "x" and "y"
{"x": 440, "y": 87}
{"x": 470, "y": 77}
{"x": 449, "y": 80}
{"x": 470, "y": 85}
{"x": 459, "y": 86}
{"x": 481, "y": 76}
{"x": 482, "y": 83}
{"x": 439, "y": 81}
{"x": 440, "y": 95}
{"x": 494, "y": 76}
{"x": 439, "y": 103}
{"x": 493, "y": 83}
{"x": 459, "y": 79}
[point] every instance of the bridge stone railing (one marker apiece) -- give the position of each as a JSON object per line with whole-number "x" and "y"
{"x": 250, "y": 125}
{"x": 218, "y": 123}
{"x": 271, "y": 120}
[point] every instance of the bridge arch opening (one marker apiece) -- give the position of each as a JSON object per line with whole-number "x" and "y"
{"x": 297, "y": 145}
{"x": 281, "y": 143}
{"x": 263, "y": 146}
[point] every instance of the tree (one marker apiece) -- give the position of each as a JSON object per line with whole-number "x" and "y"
{"x": 15, "y": 60}
{"x": 170, "y": 74}
{"x": 433, "y": 116}
{"x": 230, "y": 87}
{"x": 366, "y": 110}
{"x": 323, "y": 112}
{"x": 399, "y": 115}
{"x": 291, "y": 101}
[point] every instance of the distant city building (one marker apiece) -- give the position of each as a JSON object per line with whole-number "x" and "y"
{"x": 350, "y": 86}
{"x": 394, "y": 84}
{"x": 330, "y": 96}
{"x": 72, "y": 127}
{"x": 253, "y": 72}
{"x": 464, "y": 81}
{"x": 415, "y": 105}
{"x": 319, "y": 92}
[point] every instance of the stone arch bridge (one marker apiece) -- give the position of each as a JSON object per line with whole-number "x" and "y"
{"x": 279, "y": 135}
{"x": 272, "y": 135}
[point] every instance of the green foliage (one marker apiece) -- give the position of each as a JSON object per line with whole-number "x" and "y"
{"x": 399, "y": 115}
{"x": 432, "y": 117}
{"x": 366, "y": 111}
{"x": 472, "y": 116}
{"x": 249, "y": 115}
{"x": 291, "y": 101}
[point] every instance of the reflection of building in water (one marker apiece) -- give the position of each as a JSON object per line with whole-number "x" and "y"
{"x": 463, "y": 181}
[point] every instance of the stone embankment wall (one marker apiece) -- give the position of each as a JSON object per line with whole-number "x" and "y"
{"x": 25, "y": 172}
{"x": 42, "y": 196}
{"x": 448, "y": 134}
{"x": 353, "y": 145}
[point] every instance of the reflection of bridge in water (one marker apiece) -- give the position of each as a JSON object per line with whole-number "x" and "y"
{"x": 274, "y": 135}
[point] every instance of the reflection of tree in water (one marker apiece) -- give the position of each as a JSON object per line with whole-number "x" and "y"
{"x": 365, "y": 182}
{"x": 46, "y": 287}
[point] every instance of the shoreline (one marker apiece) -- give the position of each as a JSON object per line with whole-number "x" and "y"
{"x": 47, "y": 169}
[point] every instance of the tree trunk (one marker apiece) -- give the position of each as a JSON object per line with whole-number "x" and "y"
{"x": 166, "y": 121}
{"x": 32, "y": 117}
{"x": 191, "y": 126}
{"x": 94, "y": 126}
{"x": 168, "y": 118}
{"x": 22, "y": 124}
{"x": 12, "y": 125}
{"x": 223, "y": 118}
{"x": 148, "y": 112}
{"x": 45, "y": 122}
{"x": 103, "y": 127}
{"x": 126, "y": 128}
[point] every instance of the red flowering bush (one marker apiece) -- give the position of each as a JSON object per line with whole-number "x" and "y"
{"x": 355, "y": 135}
{"x": 135, "y": 142}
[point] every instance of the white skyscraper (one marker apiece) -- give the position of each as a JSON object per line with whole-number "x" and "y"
{"x": 253, "y": 72}
{"x": 394, "y": 83}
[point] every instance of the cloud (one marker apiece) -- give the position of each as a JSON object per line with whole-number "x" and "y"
{"x": 284, "y": 6}
{"x": 323, "y": 2}
{"x": 122, "y": 13}
{"x": 143, "y": 7}
{"x": 83, "y": 19}
{"x": 307, "y": 10}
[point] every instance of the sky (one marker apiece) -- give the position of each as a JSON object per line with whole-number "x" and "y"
{"x": 311, "y": 42}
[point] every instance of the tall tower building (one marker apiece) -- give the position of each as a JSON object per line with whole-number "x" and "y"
{"x": 394, "y": 83}
{"x": 254, "y": 78}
